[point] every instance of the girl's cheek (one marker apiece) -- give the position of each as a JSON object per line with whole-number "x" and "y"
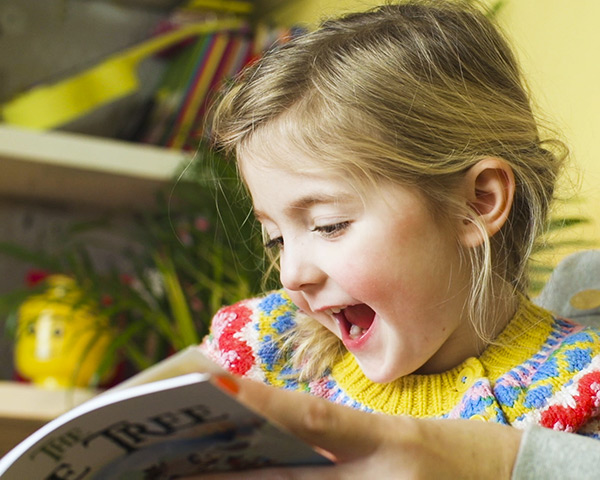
{"x": 359, "y": 279}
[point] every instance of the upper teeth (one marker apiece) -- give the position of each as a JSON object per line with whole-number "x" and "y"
{"x": 331, "y": 311}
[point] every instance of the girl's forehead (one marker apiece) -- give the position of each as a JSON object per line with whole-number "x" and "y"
{"x": 287, "y": 170}
{"x": 280, "y": 152}
{"x": 278, "y": 145}
{"x": 289, "y": 140}
{"x": 275, "y": 186}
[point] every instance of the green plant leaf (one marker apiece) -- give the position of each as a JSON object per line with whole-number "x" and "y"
{"x": 39, "y": 259}
{"x": 562, "y": 223}
{"x": 181, "y": 313}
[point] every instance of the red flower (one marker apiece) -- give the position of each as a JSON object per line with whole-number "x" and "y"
{"x": 202, "y": 224}
{"x": 106, "y": 300}
{"x": 34, "y": 277}
{"x": 126, "y": 279}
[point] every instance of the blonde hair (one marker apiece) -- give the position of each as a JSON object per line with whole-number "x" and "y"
{"x": 415, "y": 93}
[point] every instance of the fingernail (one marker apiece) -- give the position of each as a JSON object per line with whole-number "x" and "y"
{"x": 227, "y": 384}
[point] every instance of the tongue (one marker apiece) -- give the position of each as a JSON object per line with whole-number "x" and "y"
{"x": 360, "y": 315}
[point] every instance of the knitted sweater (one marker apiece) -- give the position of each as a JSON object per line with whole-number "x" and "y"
{"x": 541, "y": 370}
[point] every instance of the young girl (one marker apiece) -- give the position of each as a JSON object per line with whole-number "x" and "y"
{"x": 401, "y": 180}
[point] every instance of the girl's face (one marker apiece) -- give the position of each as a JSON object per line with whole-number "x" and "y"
{"x": 376, "y": 269}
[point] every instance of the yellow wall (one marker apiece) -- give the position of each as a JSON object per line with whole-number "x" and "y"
{"x": 558, "y": 44}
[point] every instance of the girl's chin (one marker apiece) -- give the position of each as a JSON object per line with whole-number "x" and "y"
{"x": 375, "y": 374}
{"x": 379, "y": 370}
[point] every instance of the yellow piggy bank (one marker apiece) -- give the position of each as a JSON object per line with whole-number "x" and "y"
{"x": 60, "y": 340}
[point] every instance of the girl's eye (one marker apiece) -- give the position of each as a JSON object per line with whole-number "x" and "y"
{"x": 276, "y": 242}
{"x": 332, "y": 230}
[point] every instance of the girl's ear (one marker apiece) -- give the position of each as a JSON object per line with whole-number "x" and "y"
{"x": 489, "y": 188}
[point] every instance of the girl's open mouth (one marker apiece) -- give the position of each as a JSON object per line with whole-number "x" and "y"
{"x": 354, "y": 322}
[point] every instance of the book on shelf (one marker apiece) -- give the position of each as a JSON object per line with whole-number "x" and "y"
{"x": 168, "y": 421}
{"x": 195, "y": 72}
{"x": 198, "y": 89}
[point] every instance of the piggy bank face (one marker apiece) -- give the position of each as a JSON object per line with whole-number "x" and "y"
{"x": 59, "y": 343}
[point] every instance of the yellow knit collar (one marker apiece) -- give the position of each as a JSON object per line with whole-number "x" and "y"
{"x": 437, "y": 394}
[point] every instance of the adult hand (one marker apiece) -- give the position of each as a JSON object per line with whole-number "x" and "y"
{"x": 366, "y": 445}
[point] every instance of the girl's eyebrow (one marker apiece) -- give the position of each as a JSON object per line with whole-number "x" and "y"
{"x": 307, "y": 201}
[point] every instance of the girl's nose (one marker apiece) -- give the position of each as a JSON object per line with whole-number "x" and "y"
{"x": 298, "y": 270}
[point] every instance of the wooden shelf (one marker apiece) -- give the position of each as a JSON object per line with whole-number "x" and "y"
{"x": 25, "y": 408}
{"x": 76, "y": 169}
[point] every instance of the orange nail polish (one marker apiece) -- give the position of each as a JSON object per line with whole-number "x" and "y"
{"x": 227, "y": 384}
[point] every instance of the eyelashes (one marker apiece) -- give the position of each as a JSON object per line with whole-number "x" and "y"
{"x": 325, "y": 231}
{"x": 273, "y": 243}
{"x": 329, "y": 231}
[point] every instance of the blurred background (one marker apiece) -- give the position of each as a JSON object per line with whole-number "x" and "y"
{"x": 102, "y": 157}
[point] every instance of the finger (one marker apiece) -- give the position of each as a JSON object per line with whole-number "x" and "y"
{"x": 345, "y": 471}
{"x": 346, "y": 433}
